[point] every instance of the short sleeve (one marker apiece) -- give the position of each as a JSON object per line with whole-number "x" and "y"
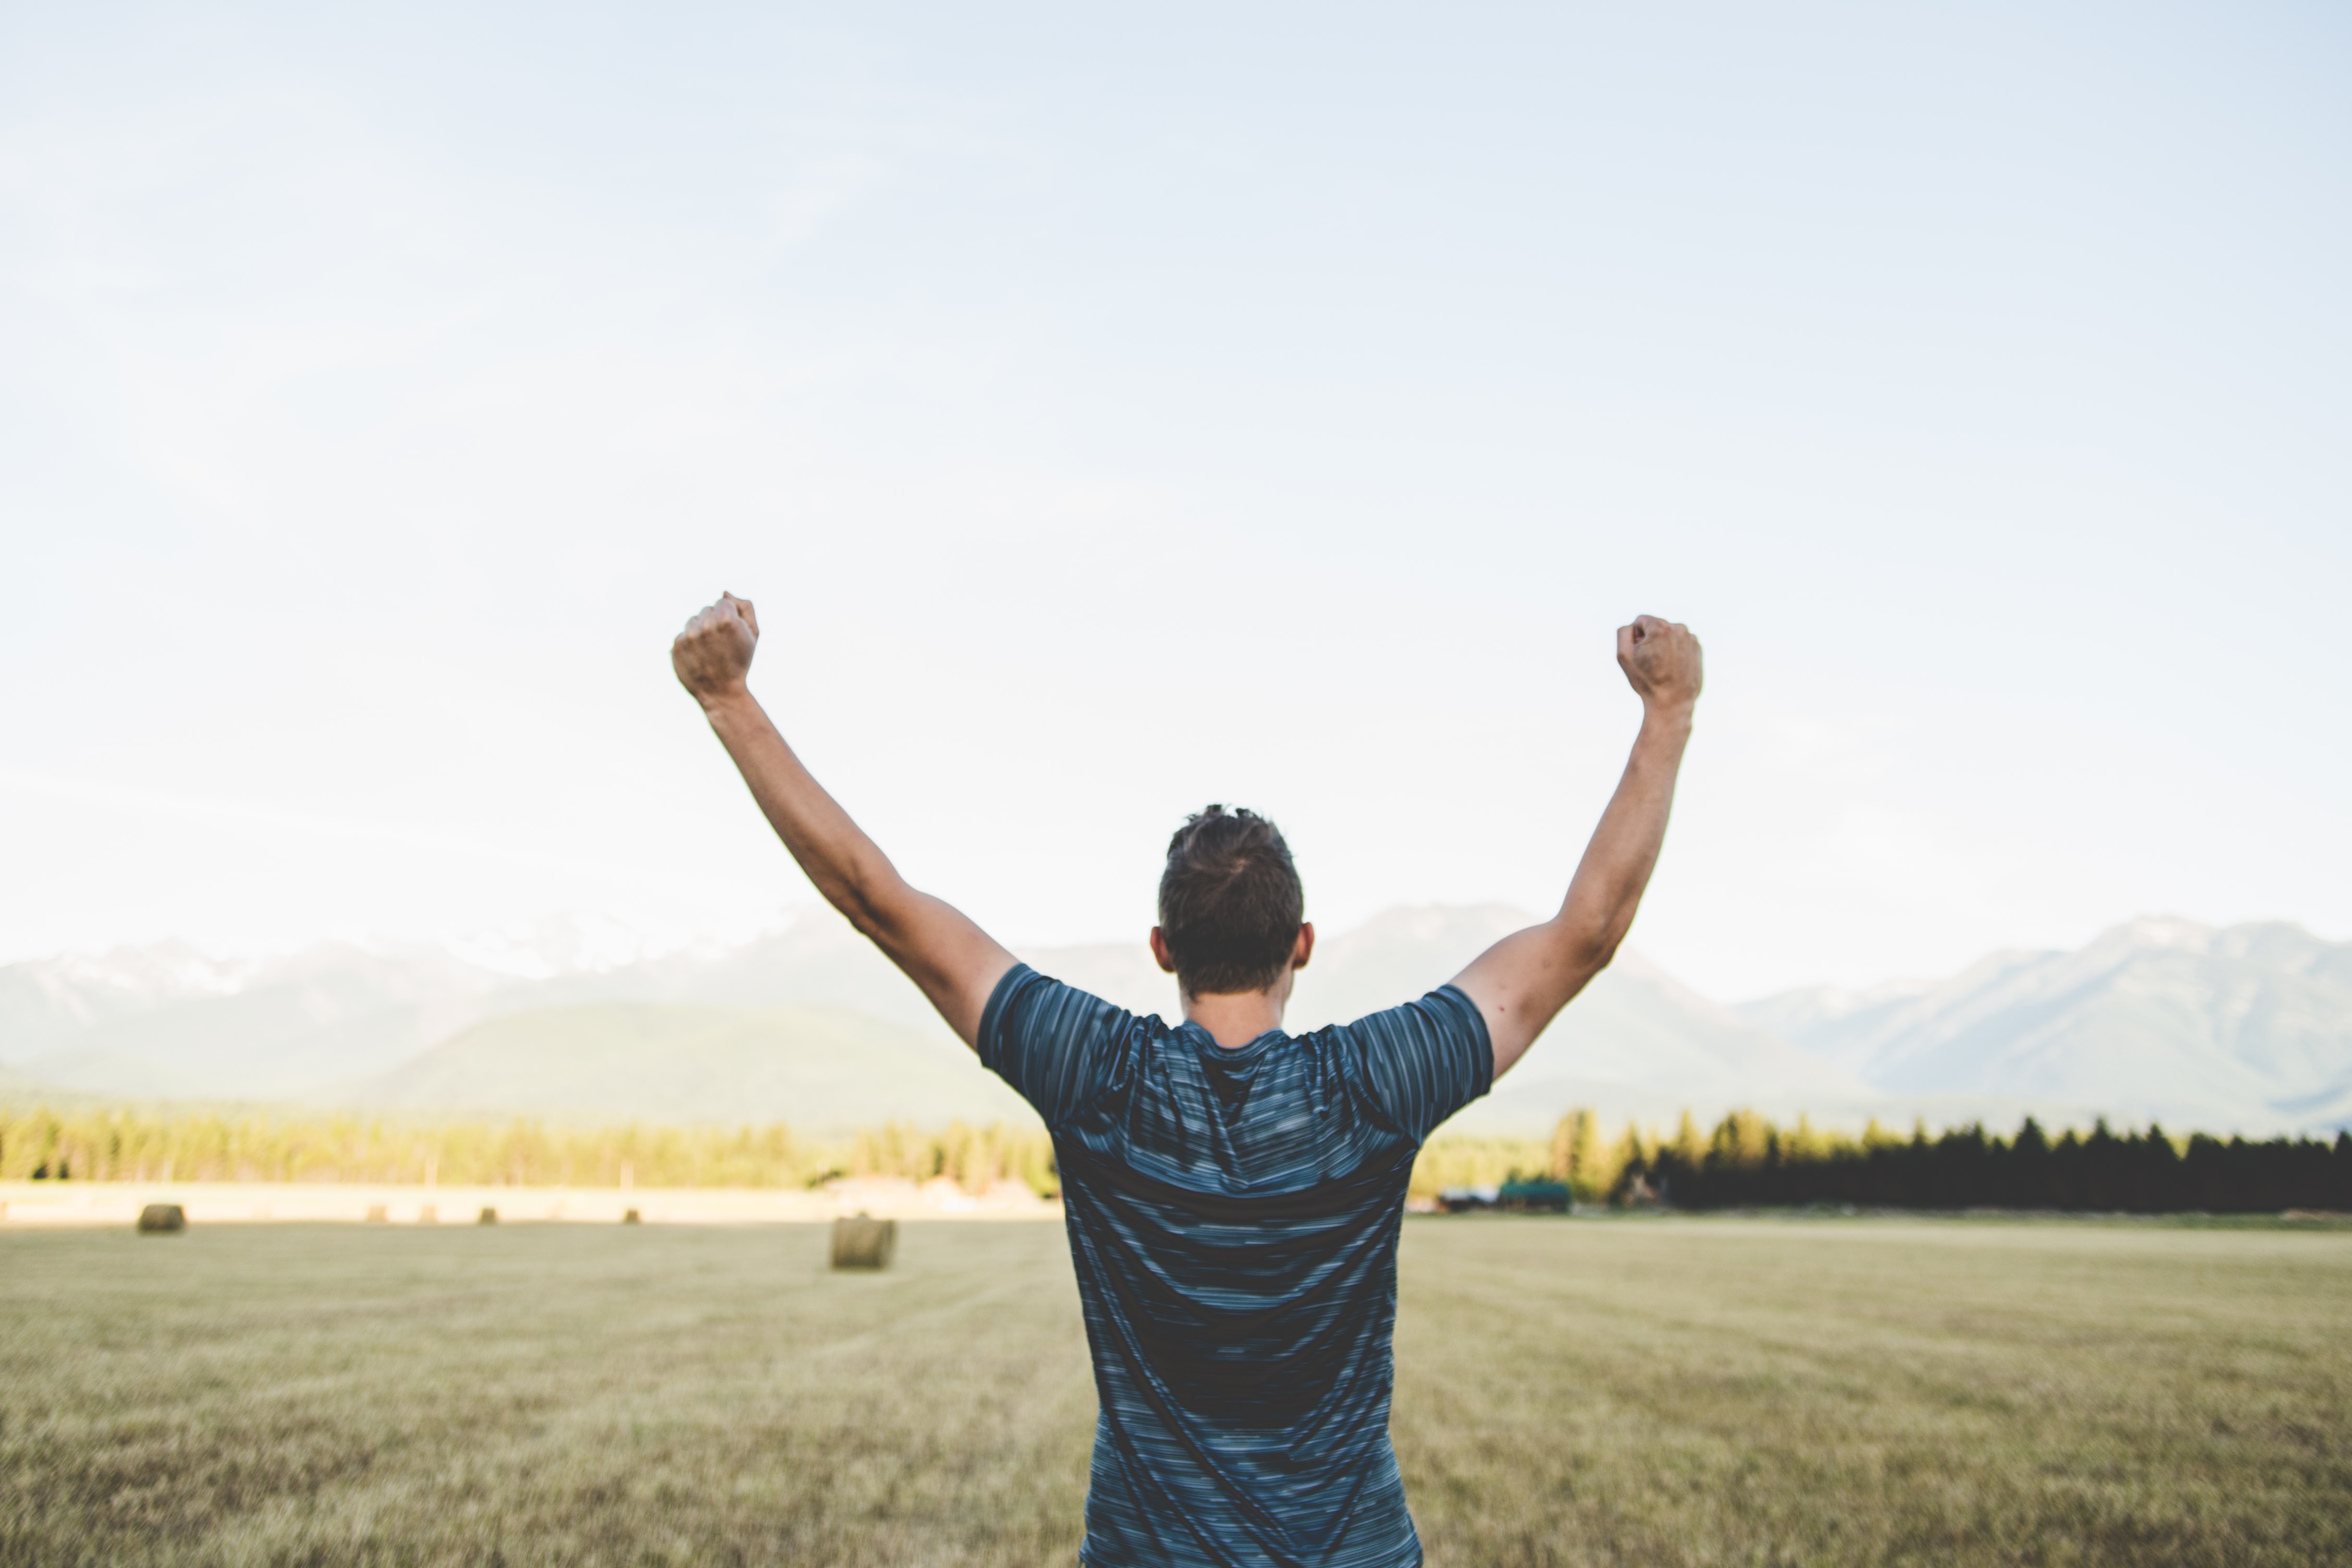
{"x": 1059, "y": 1046}
{"x": 1420, "y": 1063}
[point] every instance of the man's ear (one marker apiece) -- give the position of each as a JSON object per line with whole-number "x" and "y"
{"x": 1299, "y": 954}
{"x": 1160, "y": 952}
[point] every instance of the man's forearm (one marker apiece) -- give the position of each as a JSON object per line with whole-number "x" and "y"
{"x": 1615, "y": 870}
{"x": 847, "y": 867}
{"x": 1524, "y": 980}
{"x": 954, "y": 962}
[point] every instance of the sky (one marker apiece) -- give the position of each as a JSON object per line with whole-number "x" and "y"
{"x": 1113, "y": 412}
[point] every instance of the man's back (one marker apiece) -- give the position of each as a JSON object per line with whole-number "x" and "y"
{"x": 1233, "y": 1193}
{"x": 1232, "y": 1217}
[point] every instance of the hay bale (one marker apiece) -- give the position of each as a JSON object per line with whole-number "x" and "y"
{"x": 864, "y": 1242}
{"x": 629, "y": 1216}
{"x": 162, "y": 1219}
{"x": 487, "y": 1217}
{"x": 376, "y": 1215}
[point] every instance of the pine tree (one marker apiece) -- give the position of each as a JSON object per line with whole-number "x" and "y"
{"x": 1562, "y": 1166}
{"x": 1596, "y": 1170}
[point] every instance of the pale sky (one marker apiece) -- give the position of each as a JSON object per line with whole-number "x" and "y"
{"x": 1113, "y": 412}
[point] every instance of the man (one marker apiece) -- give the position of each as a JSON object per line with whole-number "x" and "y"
{"x": 1232, "y": 1193}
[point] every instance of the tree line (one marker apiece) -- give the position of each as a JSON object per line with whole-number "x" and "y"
{"x": 1746, "y": 1162}
{"x": 1749, "y": 1162}
{"x": 121, "y": 1145}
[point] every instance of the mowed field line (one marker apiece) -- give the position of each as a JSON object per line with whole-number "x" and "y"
{"x": 1678, "y": 1390}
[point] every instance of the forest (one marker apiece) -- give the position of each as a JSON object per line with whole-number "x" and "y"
{"x": 257, "y": 1146}
{"x": 1746, "y": 1162}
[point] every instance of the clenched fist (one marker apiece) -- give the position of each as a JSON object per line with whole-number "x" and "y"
{"x": 1662, "y": 662}
{"x": 713, "y": 655}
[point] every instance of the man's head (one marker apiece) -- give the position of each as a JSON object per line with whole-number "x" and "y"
{"x": 1231, "y": 907}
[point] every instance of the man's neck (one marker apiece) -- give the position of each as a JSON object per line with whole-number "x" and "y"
{"x": 1234, "y": 1018}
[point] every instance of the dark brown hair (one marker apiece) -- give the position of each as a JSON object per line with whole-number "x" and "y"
{"x": 1230, "y": 903}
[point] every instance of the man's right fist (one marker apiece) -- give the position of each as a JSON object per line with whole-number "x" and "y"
{"x": 1662, "y": 662}
{"x": 713, "y": 655}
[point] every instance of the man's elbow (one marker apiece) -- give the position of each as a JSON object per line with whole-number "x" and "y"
{"x": 1587, "y": 950}
{"x": 1590, "y": 957}
{"x": 868, "y": 914}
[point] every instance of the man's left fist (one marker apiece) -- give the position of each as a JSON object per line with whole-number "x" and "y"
{"x": 713, "y": 654}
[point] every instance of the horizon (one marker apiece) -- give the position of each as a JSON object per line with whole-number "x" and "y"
{"x": 524, "y": 956}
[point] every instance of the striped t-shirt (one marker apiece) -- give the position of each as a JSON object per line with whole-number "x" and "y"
{"x": 1232, "y": 1217}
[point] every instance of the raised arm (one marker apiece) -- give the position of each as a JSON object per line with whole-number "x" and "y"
{"x": 1522, "y": 981}
{"x": 955, "y": 962}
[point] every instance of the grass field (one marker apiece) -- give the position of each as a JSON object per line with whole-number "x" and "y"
{"x": 1680, "y": 1391}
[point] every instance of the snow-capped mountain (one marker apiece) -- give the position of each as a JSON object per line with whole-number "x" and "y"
{"x": 2247, "y": 1026}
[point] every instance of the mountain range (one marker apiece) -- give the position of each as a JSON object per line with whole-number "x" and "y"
{"x": 2247, "y": 1029}
{"x": 2159, "y": 1019}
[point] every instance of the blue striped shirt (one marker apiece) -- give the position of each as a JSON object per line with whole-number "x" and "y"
{"x": 1232, "y": 1217}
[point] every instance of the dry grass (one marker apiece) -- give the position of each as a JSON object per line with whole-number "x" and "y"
{"x": 1682, "y": 1392}
{"x": 1770, "y": 1392}
{"x": 539, "y": 1395}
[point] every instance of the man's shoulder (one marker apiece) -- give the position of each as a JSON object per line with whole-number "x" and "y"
{"x": 1063, "y": 1050}
{"x": 1448, "y": 1009}
{"x": 1031, "y": 999}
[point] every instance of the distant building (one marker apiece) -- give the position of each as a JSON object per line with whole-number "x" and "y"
{"x": 1546, "y": 1197}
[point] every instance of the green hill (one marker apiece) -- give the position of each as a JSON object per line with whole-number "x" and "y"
{"x": 820, "y": 1070}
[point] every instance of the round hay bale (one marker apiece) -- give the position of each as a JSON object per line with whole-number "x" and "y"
{"x": 487, "y": 1217}
{"x": 864, "y": 1242}
{"x": 162, "y": 1219}
{"x": 630, "y": 1216}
